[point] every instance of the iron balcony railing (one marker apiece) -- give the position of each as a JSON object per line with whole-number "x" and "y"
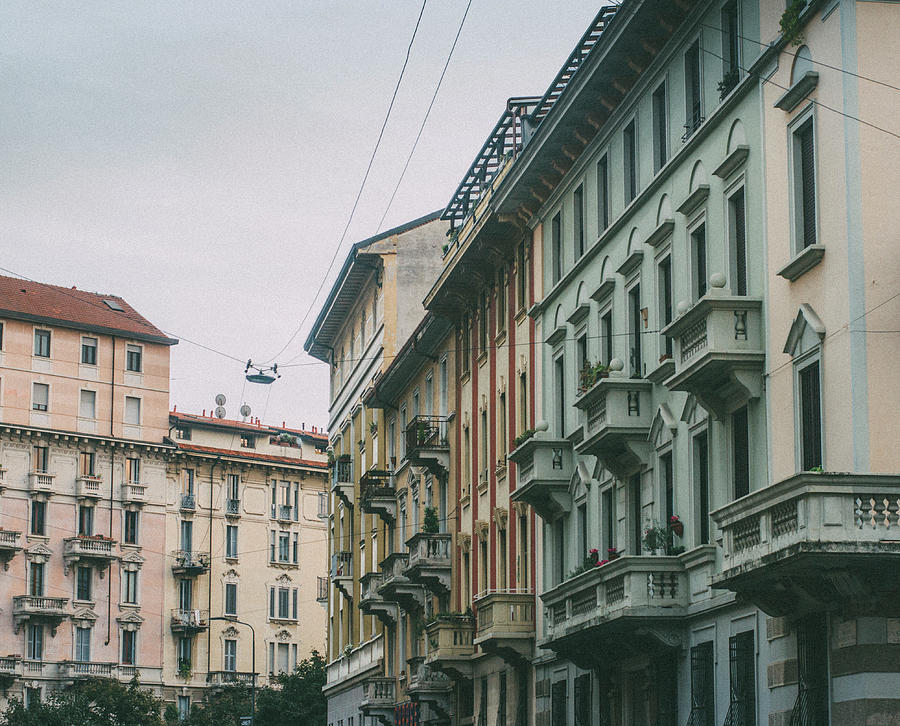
{"x": 427, "y": 432}
{"x": 342, "y": 564}
{"x": 342, "y": 471}
{"x": 233, "y": 507}
{"x": 188, "y": 502}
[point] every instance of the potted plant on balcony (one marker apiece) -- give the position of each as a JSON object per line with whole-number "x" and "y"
{"x": 523, "y": 437}
{"x": 431, "y": 525}
{"x": 613, "y": 554}
{"x": 590, "y": 374}
{"x": 184, "y": 669}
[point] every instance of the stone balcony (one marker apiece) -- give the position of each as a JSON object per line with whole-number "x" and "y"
{"x": 365, "y": 658}
{"x": 189, "y": 622}
{"x": 134, "y": 492}
{"x": 379, "y": 697}
{"x": 429, "y": 562}
{"x": 504, "y": 621}
{"x": 342, "y": 572}
{"x": 88, "y": 486}
{"x": 428, "y": 443}
{"x": 342, "y": 480}
{"x": 187, "y": 563}
{"x": 450, "y": 644}
{"x": 41, "y": 482}
{"x": 616, "y": 414}
{"x": 372, "y": 602}
{"x": 630, "y": 602}
{"x": 221, "y": 679}
{"x": 97, "y": 551}
{"x": 426, "y": 685}
{"x": 396, "y": 586}
{"x": 813, "y": 542}
{"x": 544, "y": 469}
{"x": 718, "y": 349}
{"x": 9, "y": 545}
{"x": 11, "y": 665}
{"x": 32, "y": 608}
{"x": 378, "y": 495}
{"x": 71, "y": 669}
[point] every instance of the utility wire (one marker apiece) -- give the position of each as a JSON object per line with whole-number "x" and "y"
{"x": 425, "y": 118}
{"x": 362, "y": 186}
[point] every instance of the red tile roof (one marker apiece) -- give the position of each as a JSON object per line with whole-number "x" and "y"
{"x": 73, "y": 308}
{"x": 193, "y": 448}
{"x": 259, "y": 428}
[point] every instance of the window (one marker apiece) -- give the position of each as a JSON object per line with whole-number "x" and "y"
{"x": 698, "y": 261}
{"x": 183, "y": 432}
{"x": 231, "y": 541}
{"x": 87, "y": 404}
{"x": 86, "y": 462}
{"x": 83, "y": 644}
{"x": 523, "y": 552}
{"x": 810, "y": 416}
{"x": 483, "y": 435}
{"x": 41, "y": 459}
{"x": 502, "y": 436}
{"x": 501, "y": 300}
{"x": 742, "y": 676}
{"x": 34, "y": 647}
{"x": 740, "y": 452}
{"x": 133, "y": 470}
{"x": 184, "y": 657}
{"x": 230, "y": 654}
{"x": 284, "y": 665}
{"x": 1, "y": 336}
{"x": 701, "y": 482}
{"x": 523, "y": 402}
{"x": 581, "y": 355}
{"x": 583, "y": 700}
{"x": 559, "y": 381}
{"x": 738, "y": 238}
{"x": 32, "y": 696}
{"x": 187, "y": 481}
{"x": 132, "y": 411}
{"x": 283, "y": 603}
{"x": 131, "y": 527}
{"x": 730, "y": 48}
{"x": 559, "y": 551}
{"x": 664, "y": 283}
{"x": 248, "y": 441}
{"x": 603, "y": 193}
{"x": 483, "y": 564}
{"x": 606, "y": 337}
{"x": 129, "y": 647}
{"x": 501, "y": 558}
{"x": 812, "y": 667}
{"x": 703, "y": 695}
{"x": 134, "y": 358}
{"x": 234, "y": 486}
{"x": 482, "y": 703}
{"x": 629, "y": 161}
{"x": 40, "y": 399}
{"x": 130, "y": 587}
{"x": 184, "y": 705}
{"x": 467, "y": 457}
{"x": 42, "y": 343}
{"x": 693, "y": 99}
{"x": 582, "y": 532}
{"x": 442, "y": 383}
{"x": 186, "y": 534}
{"x": 521, "y": 277}
{"x": 83, "y": 583}
{"x": 483, "y": 325}
{"x": 501, "y": 700}
{"x": 556, "y": 247}
{"x": 804, "y": 171}
{"x": 558, "y": 708}
{"x": 185, "y": 594}
{"x": 667, "y": 486}
{"x": 608, "y": 502}
{"x": 284, "y": 546}
{"x": 85, "y": 521}
{"x": 465, "y": 344}
{"x": 89, "y": 351}
{"x": 231, "y": 598}
{"x": 636, "y": 321}
{"x": 660, "y": 128}
{"x": 578, "y": 203}
{"x": 38, "y": 514}
{"x": 634, "y": 497}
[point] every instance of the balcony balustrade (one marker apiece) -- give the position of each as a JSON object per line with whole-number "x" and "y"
{"x": 813, "y": 542}
{"x": 342, "y": 479}
{"x": 342, "y": 572}
{"x": 9, "y": 545}
{"x": 544, "y": 468}
{"x": 98, "y": 551}
{"x": 35, "y": 668}
{"x": 397, "y": 587}
{"x": 41, "y": 481}
{"x": 429, "y": 562}
{"x": 429, "y": 686}
{"x": 187, "y": 563}
{"x": 371, "y": 601}
{"x": 428, "y": 443}
{"x": 134, "y": 492}
{"x": 220, "y": 679}
{"x": 37, "y": 609}
{"x": 505, "y": 624}
{"x": 379, "y": 697}
{"x": 365, "y": 657}
{"x": 378, "y": 495}
{"x": 718, "y": 349}
{"x": 88, "y": 486}
{"x": 189, "y": 622}
{"x": 232, "y": 507}
{"x": 11, "y": 665}
{"x": 188, "y": 503}
{"x": 450, "y": 644}
{"x": 616, "y": 414}
{"x": 70, "y": 669}
{"x": 284, "y": 513}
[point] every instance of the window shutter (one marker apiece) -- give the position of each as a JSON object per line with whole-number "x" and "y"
{"x": 740, "y": 244}
{"x": 294, "y": 603}
{"x": 742, "y": 708}
{"x": 808, "y": 182}
{"x": 811, "y": 419}
{"x": 740, "y": 431}
{"x": 702, "y": 685}
{"x": 271, "y": 602}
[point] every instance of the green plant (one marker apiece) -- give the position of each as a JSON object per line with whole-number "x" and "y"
{"x": 6, "y": 680}
{"x": 658, "y": 538}
{"x": 523, "y": 437}
{"x": 373, "y": 427}
{"x": 184, "y": 668}
{"x": 431, "y": 525}
{"x": 790, "y": 22}
{"x": 729, "y": 81}
{"x": 817, "y": 470}
{"x": 590, "y": 374}
{"x": 444, "y": 248}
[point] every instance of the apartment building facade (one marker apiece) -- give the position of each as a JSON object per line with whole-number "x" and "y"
{"x": 374, "y": 306}
{"x": 709, "y": 358}
{"x": 84, "y": 385}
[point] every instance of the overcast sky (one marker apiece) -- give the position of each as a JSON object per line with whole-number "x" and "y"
{"x": 201, "y": 159}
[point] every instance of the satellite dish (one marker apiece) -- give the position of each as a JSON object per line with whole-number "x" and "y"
{"x": 220, "y": 399}
{"x": 220, "y": 412}
{"x": 245, "y": 410}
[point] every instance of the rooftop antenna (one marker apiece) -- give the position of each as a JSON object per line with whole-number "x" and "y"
{"x": 245, "y": 410}
{"x": 220, "y": 406}
{"x": 263, "y": 374}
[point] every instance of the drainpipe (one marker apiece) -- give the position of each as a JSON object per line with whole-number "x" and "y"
{"x": 112, "y": 463}
{"x": 209, "y": 577}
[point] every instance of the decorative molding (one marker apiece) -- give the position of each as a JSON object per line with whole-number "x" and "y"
{"x": 501, "y": 516}
{"x": 464, "y": 541}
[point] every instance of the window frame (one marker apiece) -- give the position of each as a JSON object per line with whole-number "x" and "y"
{"x": 45, "y": 335}
{"x": 86, "y": 346}
{"x": 140, "y": 411}
{"x": 35, "y": 405}
{"x": 738, "y": 187}
{"x": 813, "y": 357}
{"x": 695, "y": 276}
{"x": 807, "y": 116}
{"x": 557, "y": 262}
{"x": 132, "y": 350}
{"x": 630, "y": 161}
{"x": 661, "y": 143}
